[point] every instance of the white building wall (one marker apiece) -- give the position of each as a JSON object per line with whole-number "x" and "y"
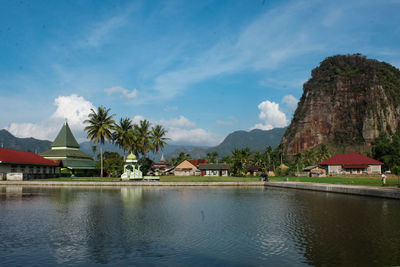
{"x": 334, "y": 169}
{"x": 375, "y": 169}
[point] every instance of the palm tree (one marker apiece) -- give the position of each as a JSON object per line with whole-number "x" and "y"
{"x": 123, "y": 134}
{"x": 268, "y": 156}
{"x": 158, "y": 139}
{"x": 100, "y": 126}
{"x": 144, "y": 137}
{"x": 212, "y": 156}
{"x": 134, "y": 140}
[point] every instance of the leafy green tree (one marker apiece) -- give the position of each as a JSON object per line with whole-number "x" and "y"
{"x": 387, "y": 151}
{"x": 113, "y": 163}
{"x": 122, "y": 135}
{"x": 158, "y": 139}
{"x": 100, "y": 127}
{"x": 145, "y": 164}
{"x": 240, "y": 158}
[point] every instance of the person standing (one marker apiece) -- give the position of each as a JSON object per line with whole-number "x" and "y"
{"x": 383, "y": 180}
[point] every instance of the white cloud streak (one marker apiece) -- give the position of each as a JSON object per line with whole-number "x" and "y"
{"x": 261, "y": 45}
{"x": 124, "y": 92}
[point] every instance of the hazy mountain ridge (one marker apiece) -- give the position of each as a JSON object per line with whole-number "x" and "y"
{"x": 256, "y": 140}
{"x": 7, "y": 140}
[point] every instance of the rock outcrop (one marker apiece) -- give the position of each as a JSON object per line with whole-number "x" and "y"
{"x": 349, "y": 101}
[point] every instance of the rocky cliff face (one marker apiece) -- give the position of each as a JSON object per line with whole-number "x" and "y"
{"x": 349, "y": 101}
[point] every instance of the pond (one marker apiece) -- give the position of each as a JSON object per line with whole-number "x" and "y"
{"x": 199, "y": 226}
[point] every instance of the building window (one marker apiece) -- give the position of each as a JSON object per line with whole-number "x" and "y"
{"x": 45, "y": 169}
{"x": 22, "y": 168}
{"x": 13, "y": 168}
{"x": 37, "y": 169}
{"x": 30, "y": 169}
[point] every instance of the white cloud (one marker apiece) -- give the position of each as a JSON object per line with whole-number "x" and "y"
{"x": 181, "y": 131}
{"x": 290, "y": 101}
{"x": 181, "y": 122}
{"x": 73, "y": 108}
{"x": 137, "y": 119}
{"x": 42, "y": 131}
{"x": 271, "y": 116}
{"x": 196, "y": 136}
{"x": 124, "y": 92}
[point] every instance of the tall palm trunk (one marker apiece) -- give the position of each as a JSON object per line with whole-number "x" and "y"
{"x": 101, "y": 159}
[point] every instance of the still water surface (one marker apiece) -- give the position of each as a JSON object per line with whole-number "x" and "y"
{"x": 199, "y": 226}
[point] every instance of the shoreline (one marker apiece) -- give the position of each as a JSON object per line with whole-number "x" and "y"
{"x": 388, "y": 192}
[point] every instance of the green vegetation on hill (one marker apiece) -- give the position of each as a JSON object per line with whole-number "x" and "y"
{"x": 7, "y": 140}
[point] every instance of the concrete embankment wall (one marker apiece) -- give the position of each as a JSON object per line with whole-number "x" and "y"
{"x": 339, "y": 188}
{"x": 333, "y": 188}
{"x": 150, "y": 183}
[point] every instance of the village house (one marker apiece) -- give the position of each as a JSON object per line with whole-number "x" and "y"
{"x": 162, "y": 167}
{"x": 214, "y": 169}
{"x": 189, "y": 167}
{"x": 65, "y": 148}
{"x": 253, "y": 170}
{"x": 21, "y": 165}
{"x": 351, "y": 163}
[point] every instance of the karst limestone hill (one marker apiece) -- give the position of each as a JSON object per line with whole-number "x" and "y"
{"x": 348, "y": 102}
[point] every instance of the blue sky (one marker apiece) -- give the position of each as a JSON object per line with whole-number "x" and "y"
{"x": 202, "y": 69}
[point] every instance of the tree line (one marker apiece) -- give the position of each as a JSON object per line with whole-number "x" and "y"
{"x": 139, "y": 139}
{"x": 271, "y": 159}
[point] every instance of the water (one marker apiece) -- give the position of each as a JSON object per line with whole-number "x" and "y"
{"x": 199, "y": 226}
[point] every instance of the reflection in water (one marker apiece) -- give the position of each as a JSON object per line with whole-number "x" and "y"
{"x": 341, "y": 230}
{"x": 199, "y": 226}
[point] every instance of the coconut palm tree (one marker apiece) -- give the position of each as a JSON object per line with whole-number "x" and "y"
{"x": 123, "y": 134}
{"x": 134, "y": 140}
{"x": 143, "y": 131}
{"x": 158, "y": 139}
{"x": 212, "y": 156}
{"x": 100, "y": 127}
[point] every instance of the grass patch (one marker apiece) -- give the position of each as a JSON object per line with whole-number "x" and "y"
{"x": 328, "y": 180}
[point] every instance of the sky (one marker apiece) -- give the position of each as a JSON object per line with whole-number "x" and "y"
{"x": 202, "y": 69}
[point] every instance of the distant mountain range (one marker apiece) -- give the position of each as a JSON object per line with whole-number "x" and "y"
{"x": 256, "y": 140}
{"x": 7, "y": 140}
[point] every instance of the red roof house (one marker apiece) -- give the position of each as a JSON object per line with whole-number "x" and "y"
{"x": 13, "y": 156}
{"x": 29, "y": 164}
{"x": 352, "y": 163}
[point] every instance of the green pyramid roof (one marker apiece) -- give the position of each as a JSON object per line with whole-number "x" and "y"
{"x": 65, "y": 138}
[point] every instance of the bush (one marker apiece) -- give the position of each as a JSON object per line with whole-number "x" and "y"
{"x": 396, "y": 170}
